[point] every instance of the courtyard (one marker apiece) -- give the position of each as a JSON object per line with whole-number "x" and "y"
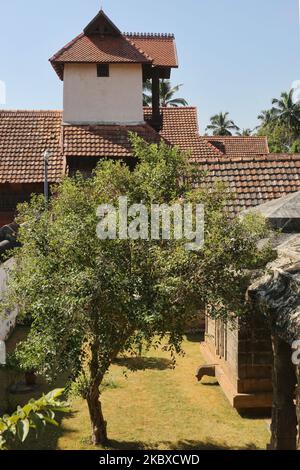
{"x": 157, "y": 407}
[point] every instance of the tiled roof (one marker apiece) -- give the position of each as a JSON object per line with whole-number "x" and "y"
{"x": 180, "y": 127}
{"x": 95, "y": 49}
{"x": 104, "y": 140}
{"x": 24, "y": 136}
{"x": 240, "y": 146}
{"x": 255, "y": 180}
{"x": 160, "y": 47}
{"x": 158, "y": 50}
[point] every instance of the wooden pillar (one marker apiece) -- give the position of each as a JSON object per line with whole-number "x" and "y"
{"x": 156, "y": 119}
{"x": 284, "y": 420}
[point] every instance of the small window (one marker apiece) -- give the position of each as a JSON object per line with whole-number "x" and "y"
{"x": 103, "y": 70}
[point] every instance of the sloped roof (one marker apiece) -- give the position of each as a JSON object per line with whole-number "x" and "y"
{"x": 95, "y": 49}
{"x": 104, "y": 140}
{"x": 282, "y": 213}
{"x": 24, "y": 136}
{"x": 160, "y": 47}
{"x": 287, "y": 207}
{"x": 180, "y": 127}
{"x": 102, "y": 42}
{"x": 254, "y": 180}
{"x": 235, "y": 146}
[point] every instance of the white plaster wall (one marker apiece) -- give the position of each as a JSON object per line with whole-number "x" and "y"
{"x": 7, "y": 321}
{"x": 114, "y": 99}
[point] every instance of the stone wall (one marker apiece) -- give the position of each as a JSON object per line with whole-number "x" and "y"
{"x": 254, "y": 356}
{"x": 242, "y": 353}
{"x": 223, "y": 343}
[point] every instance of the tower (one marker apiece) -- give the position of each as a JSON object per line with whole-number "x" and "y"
{"x": 103, "y": 72}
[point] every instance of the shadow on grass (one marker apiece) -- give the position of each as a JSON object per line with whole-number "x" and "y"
{"x": 47, "y": 440}
{"x": 180, "y": 445}
{"x": 144, "y": 363}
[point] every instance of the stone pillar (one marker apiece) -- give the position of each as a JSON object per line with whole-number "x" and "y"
{"x": 284, "y": 419}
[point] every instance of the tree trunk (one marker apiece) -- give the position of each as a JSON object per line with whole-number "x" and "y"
{"x": 284, "y": 420}
{"x": 99, "y": 425}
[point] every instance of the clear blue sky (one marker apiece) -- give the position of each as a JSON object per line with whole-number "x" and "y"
{"x": 235, "y": 55}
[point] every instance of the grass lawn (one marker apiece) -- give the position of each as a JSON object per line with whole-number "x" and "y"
{"x": 160, "y": 408}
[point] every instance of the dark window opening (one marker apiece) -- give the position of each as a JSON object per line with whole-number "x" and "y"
{"x": 103, "y": 70}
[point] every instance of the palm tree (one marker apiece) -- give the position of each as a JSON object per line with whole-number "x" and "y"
{"x": 166, "y": 94}
{"x": 286, "y": 111}
{"x": 222, "y": 125}
{"x": 266, "y": 117}
{"x": 245, "y": 133}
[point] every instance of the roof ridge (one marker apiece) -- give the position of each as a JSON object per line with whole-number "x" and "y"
{"x": 108, "y": 125}
{"x": 169, "y": 108}
{"x": 150, "y": 35}
{"x": 256, "y": 158}
{"x": 66, "y": 47}
{"x": 216, "y": 150}
{"x": 234, "y": 137}
{"x": 148, "y": 57}
{"x": 26, "y": 111}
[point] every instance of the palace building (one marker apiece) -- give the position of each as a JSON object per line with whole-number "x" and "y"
{"x": 103, "y": 71}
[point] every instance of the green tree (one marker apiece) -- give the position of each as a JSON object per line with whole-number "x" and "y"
{"x": 295, "y": 148}
{"x": 33, "y": 416}
{"x": 287, "y": 112}
{"x": 266, "y": 117}
{"x": 166, "y": 94}
{"x": 222, "y": 125}
{"x": 281, "y": 124}
{"x": 280, "y": 138}
{"x": 245, "y": 133}
{"x": 90, "y": 299}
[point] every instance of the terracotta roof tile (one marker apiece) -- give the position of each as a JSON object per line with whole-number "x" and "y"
{"x": 158, "y": 50}
{"x": 180, "y": 127}
{"x": 95, "y": 49}
{"x": 253, "y": 180}
{"x": 160, "y": 47}
{"x": 24, "y": 136}
{"x": 104, "y": 140}
{"x": 235, "y": 146}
